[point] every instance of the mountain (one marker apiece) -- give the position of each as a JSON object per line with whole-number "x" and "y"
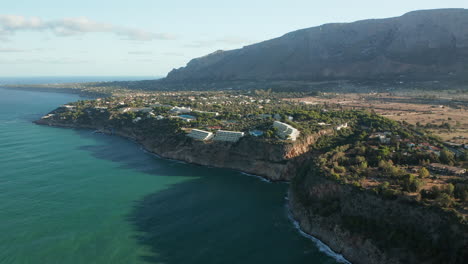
{"x": 422, "y": 44}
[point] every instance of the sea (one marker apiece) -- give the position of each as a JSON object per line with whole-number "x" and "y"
{"x": 69, "y": 196}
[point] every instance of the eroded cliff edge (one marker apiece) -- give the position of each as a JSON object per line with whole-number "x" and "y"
{"x": 274, "y": 161}
{"x": 367, "y": 228}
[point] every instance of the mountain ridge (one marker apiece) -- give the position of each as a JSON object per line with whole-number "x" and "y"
{"x": 418, "y": 44}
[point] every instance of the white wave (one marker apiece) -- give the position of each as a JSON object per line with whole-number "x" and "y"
{"x": 256, "y": 176}
{"x": 320, "y": 245}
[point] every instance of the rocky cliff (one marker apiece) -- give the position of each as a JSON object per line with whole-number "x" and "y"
{"x": 424, "y": 44}
{"x": 276, "y": 161}
{"x": 370, "y": 229}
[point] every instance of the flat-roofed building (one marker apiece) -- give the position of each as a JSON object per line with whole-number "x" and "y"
{"x": 200, "y": 134}
{"x": 136, "y": 109}
{"x": 180, "y": 110}
{"x": 345, "y": 125}
{"x": 230, "y": 136}
{"x": 286, "y": 131}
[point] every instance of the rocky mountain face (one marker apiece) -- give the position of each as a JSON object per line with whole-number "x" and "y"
{"x": 418, "y": 45}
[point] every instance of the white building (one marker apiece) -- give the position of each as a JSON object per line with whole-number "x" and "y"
{"x": 286, "y": 131}
{"x": 230, "y": 136}
{"x": 69, "y": 107}
{"x": 345, "y": 125}
{"x": 200, "y": 134}
{"x": 48, "y": 116}
{"x": 206, "y": 112}
{"x": 136, "y": 109}
{"x": 181, "y": 110}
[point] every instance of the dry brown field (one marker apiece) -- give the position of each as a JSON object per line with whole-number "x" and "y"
{"x": 410, "y": 108}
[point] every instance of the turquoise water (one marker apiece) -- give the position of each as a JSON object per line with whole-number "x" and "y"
{"x": 187, "y": 116}
{"x": 70, "y": 196}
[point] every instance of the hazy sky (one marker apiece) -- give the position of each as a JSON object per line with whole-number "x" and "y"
{"x": 150, "y": 37}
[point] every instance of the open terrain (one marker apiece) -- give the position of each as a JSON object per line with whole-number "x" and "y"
{"x": 444, "y": 114}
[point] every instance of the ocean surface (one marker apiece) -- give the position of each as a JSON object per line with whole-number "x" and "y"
{"x": 71, "y": 79}
{"x": 71, "y": 196}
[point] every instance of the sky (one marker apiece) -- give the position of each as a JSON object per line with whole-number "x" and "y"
{"x": 151, "y": 37}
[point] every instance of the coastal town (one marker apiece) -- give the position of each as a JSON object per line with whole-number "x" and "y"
{"x": 380, "y": 154}
{"x": 206, "y": 118}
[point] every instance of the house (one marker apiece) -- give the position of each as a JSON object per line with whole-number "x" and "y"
{"x": 382, "y": 136}
{"x": 229, "y": 136}
{"x": 385, "y": 140}
{"x": 442, "y": 168}
{"x": 69, "y": 107}
{"x": 136, "y": 109}
{"x": 180, "y": 110}
{"x": 48, "y": 116}
{"x": 345, "y": 125}
{"x": 186, "y": 118}
{"x": 286, "y": 131}
{"x": 160, "y": 105}
{"x": 206, "y": 112}
{"x": 200, "y": 134}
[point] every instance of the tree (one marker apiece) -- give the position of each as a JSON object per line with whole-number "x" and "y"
{"x": 447, "y": 156}
{"x": 411, "y": 184}
{"x": 444, "y": 200}
{"x": 423, "y": 173}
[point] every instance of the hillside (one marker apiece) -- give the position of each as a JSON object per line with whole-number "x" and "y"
{"x": 424, "y": 44}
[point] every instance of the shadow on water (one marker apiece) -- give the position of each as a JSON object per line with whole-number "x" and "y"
{"x": 221, "y": 216}
{"x": 129, "y": 155}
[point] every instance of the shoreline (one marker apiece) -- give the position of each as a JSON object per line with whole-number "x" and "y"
{"x": 321, "y": 246}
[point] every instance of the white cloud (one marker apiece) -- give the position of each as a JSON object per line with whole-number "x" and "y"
{"x": 140, "y": 52}
{"x": 46, "y": 61}
{"x": 229, "y": 40}
{"x": 11, "y": 50}
{"x": 10, "y": 24}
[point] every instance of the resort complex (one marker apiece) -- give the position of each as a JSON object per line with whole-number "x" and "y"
{"x": 286, "y": 131}
{"x": 229, "y": 136}
{"x": 200, "y": 134}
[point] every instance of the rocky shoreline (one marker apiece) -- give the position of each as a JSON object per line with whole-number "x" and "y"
{"x": 275, "y": 162}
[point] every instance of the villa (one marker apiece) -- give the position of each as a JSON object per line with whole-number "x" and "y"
{"x": 181, "y": 110}
{"x": 345, "y": 125}
{"x": 137, "y": 109}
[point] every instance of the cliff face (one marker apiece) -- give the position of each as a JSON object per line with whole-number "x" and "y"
{"x": 421, "y": 45}
{"x": 366, "y": 228}
{"x": 275, "y": 161}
